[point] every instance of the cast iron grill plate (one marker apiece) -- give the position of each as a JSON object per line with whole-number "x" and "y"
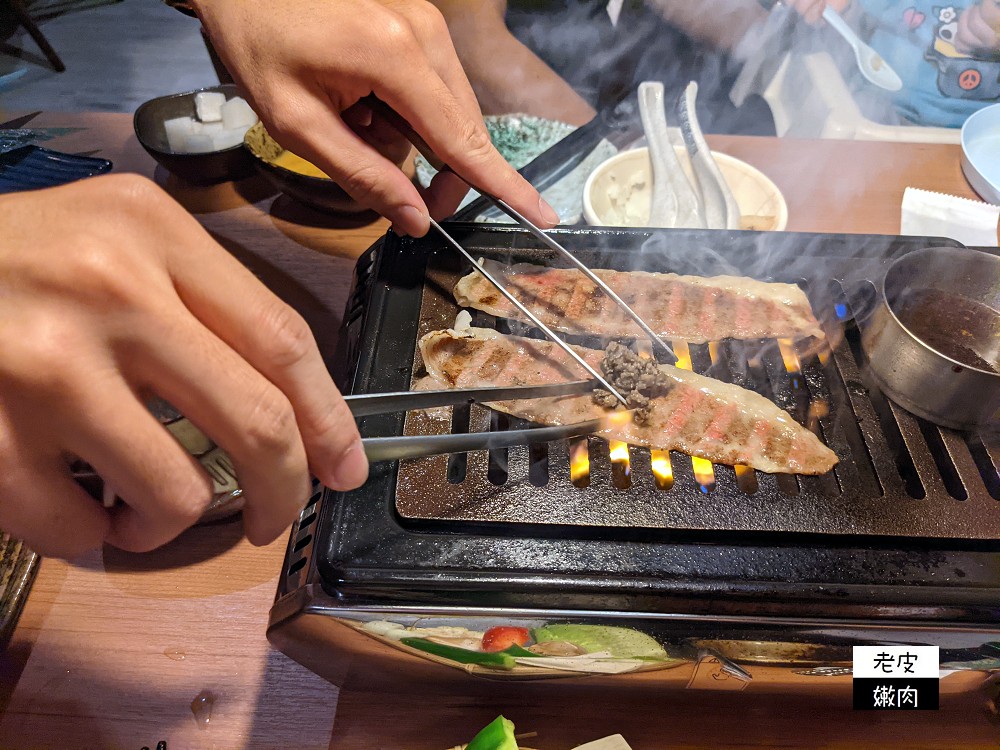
{"x": 897, "y": 475}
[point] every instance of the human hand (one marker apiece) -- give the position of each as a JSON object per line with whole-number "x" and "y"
{"x": 812, "y": 10}
{"x": 306, "y": 65}
{"x": 112, "y": 293}
{"x": 979, "y": 28}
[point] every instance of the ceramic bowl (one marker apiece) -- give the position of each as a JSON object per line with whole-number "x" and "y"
{"x": 617, "y": 191}
{"x": 981, "y": 152}
{"x": 232, "y": 163}
{"x": 320, "y": 193}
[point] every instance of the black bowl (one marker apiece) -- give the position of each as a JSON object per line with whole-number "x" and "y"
{"x": 232, "y": 163}
{"x": 320, "y": 193}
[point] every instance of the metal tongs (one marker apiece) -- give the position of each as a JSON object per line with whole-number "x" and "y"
{"x": 420, "y": 144}
{"x": 391, "y": 448}
{"x": 414, "y": 446}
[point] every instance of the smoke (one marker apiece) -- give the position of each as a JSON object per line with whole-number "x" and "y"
{"x": 758, "y": 72}
{"x": 662, "y": 251}
{"x": 810, "y": 79}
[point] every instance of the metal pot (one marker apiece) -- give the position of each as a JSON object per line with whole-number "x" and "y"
{"x": 933, "y": 342}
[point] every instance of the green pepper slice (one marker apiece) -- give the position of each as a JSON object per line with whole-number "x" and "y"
{"x": 497, "y": 660}
{"x": 497, "y": 735}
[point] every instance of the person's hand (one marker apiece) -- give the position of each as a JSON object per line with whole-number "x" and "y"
{"x": 979, "y": 28}
{"x": 812, "y": 10}
{"x": 306, "y": 64}
{"x": 111, "y": 293}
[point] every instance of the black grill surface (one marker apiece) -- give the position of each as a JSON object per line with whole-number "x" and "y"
{"x": 897, "y": 475}
{"x": 905, "y": 526}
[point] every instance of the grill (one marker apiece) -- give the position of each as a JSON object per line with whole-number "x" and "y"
{"x": 897, "y": 476}
{"x": 903, "y": 537}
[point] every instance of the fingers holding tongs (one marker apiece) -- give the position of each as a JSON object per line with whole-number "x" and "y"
{"x": 404, "y": 127}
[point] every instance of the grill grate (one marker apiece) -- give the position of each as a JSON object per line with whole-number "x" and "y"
{"x": 898, "y": 475}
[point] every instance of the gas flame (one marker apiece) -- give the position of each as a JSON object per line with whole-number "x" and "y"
{"x": 663, "y": 471}
{"x": 619, "y": 451}
{"x": 703, "y": 471}
{"x": 824, "y": 353}
{"x": 683, "y": 355}
{"x": 817, "y": 410}
{"x": 579, "y": 463}
{"x": 621, "y": 468}
{"x": 789, "y": 356}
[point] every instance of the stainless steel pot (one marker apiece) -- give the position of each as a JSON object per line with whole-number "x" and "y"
{"x": 933, "y": 342}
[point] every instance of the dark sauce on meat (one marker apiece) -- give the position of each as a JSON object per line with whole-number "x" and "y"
{"x": 958, "y": 327}
{"x": 638, "y": 379}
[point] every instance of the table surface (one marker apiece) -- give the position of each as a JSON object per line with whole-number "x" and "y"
{"x": 112, "y": 649}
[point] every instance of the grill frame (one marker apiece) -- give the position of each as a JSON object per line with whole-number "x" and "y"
{"x": 364, "y": 548}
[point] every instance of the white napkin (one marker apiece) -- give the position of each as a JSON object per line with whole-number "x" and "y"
{"x": 928, "y": 214}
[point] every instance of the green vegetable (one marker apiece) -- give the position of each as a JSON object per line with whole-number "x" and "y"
{"x": 518, "y": 651}
{"x": 623, "y": 643}
{"x": 497, "y": 735}
{"x": 498, "y": 660}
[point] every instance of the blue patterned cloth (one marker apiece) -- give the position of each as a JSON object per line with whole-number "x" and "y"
{"x": 941, "y": 86}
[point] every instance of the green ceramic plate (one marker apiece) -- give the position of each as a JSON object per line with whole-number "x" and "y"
{"x": 520, "y": 138}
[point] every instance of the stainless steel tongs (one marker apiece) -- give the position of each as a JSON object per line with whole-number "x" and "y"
{"x": 398, "y": 122}
{"x": 414, "y": 446}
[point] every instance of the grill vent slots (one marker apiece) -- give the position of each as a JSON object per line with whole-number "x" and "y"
{"x": 302, "y": 535}
{"x": 886, "y": 455}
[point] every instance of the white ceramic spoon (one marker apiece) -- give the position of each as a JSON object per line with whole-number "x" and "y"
{"x": 720, "y": 209}
{"x": 674, "y": 202}
{"x": 871, "y": 64}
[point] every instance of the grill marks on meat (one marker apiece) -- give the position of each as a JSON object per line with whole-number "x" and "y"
{"x": 696, "y": 415}
{"x": 693, "y": 308}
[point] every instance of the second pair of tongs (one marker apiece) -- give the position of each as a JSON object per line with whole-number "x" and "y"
{"x": 414, "y": 446}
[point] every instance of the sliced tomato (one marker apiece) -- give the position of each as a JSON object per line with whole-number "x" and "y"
{"x": 504, "y": 636}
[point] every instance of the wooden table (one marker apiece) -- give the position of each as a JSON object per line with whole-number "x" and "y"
{"x": 112, "y": 649}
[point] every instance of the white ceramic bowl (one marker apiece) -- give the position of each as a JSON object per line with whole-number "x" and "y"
{"x": 981, "y": 152}
{"x": 627, "y": 178}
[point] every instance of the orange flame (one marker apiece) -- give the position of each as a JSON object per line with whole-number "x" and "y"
{"x": 579, "y": 463}
{"x": 621, "y": 468}
{"x": 703, "y": 470}
{"x": 789, "y": 356}
{"x": 663, "y": 470}
{"x": 817, "y": 410}
{"x": 683, "y": 355}
{"x": 619, "y": 451}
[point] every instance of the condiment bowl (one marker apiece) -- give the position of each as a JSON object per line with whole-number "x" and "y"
{"x": 232, "y": 163}
{"x": 981, "y": 152}
{"x": 320, "y": 193}
{"x": 933, "y": 342}
{"x": 625, "y": 181}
